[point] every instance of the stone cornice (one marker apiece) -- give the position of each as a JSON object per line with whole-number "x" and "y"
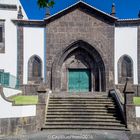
{"x": 2, "y": 20}
{"x": 8, "y": 7}
{"x": 28, "y": 23}
{"x": 128, "y": 22}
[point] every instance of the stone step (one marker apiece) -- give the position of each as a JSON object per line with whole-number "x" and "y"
{"x": 81, "y": 116}
{"x": 78, "y": 95}
{"x": 81, "y": 102}
{"x": 81, "y": 110}
{"x": 82, "y": 120}
{"x": 80, "y": 98}
{"x": 85, "y": 127}
{"x": 65, "y": 92}
{"x": 81, "y": 107}
{"x": 86, "y": 123}
{"x": 81, "y": 113}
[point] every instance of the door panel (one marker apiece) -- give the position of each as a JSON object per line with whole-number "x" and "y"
{"x": 79, "y": 80}
{"x": 73, "y": 81}
{"x": 84, "y": 80}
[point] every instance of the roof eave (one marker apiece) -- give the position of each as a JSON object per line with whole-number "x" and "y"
{"x": 23, "y": 22}
{"x": 132, "y": 22}
{"x": 78, "y": 5}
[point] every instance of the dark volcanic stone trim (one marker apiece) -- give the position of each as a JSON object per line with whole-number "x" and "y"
{"x": 63, "y": 54}
{"x": 17, "y": 126}
{"x": 30, "y": 23}
{"x": 138, "y": 53}
{"x": 3, "y": 96}
{"x": 2, "y": 44}
{"x": 20, "y": 51}
{"x": 2, "y": 20}
{"x": 83, "y": 7}
{"x": 29, "y": 89}
{"x": 8, "y": 7}
{"x": 129, "y": 22}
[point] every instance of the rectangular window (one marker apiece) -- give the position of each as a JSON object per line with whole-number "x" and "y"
{"x": 1, "y": 35}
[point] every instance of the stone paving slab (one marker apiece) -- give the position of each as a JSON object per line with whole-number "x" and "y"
{"x": 73, "y": 135}
{"x": 135, "y": 136}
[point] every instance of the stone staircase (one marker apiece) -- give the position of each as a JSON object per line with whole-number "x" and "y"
{"x": 83, "y": 112}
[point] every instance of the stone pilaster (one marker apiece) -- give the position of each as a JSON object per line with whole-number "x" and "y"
{"x": 129, "y": 108}
{"x": 41, "y": 106}
{"x": 20, "y": 55}
{"x": 138, "y": 53}
{"x": 2, "y": 44}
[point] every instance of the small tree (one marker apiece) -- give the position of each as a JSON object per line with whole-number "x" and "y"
{"x": 45, "y": 3}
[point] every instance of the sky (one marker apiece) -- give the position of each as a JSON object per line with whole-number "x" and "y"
{"x": 124, "y": 8}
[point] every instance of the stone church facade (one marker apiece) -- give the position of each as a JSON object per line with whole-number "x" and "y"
{"x": 80, "y": 41}
{"x": 79, "y": 49}
{"x": 76, "y": 61}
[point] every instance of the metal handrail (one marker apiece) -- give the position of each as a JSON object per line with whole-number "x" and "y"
{"x": 117, "y": 96}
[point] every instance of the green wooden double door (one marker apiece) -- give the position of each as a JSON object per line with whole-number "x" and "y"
{"x": 79, "y": 80}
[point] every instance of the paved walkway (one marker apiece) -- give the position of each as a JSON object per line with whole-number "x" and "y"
{"x": 73, "y": 135}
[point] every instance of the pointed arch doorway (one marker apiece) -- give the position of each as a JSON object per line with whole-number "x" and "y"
{"x": 78, "y": 68}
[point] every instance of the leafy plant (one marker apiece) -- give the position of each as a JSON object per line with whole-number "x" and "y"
{"x": 45, "y": 3}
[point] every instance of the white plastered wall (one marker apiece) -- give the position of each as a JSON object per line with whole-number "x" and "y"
{"x": 11, "y": 92}
{"x": 10, "y": 2}
{"x": 33, "y": 45}
{"x": 9, "y": 58}
{"x": 137, "y": 109}
{"x": 10, "y": 111}
{"x": 126, "y": 44}
{"x": 14, "y": 2}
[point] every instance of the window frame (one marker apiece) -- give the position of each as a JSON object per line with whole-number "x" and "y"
{"x": 36, "y": 65}
{"x": 1, "y": 34}
{"x": 31, "y": 77}
{"x": 2, "y": 44}
{"x": 125, "y": 62}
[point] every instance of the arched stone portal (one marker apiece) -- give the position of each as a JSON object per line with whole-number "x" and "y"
{"x": 78, "y": 68}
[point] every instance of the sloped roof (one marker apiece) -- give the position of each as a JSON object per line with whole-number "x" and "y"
{"x": 84, "y": 7}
